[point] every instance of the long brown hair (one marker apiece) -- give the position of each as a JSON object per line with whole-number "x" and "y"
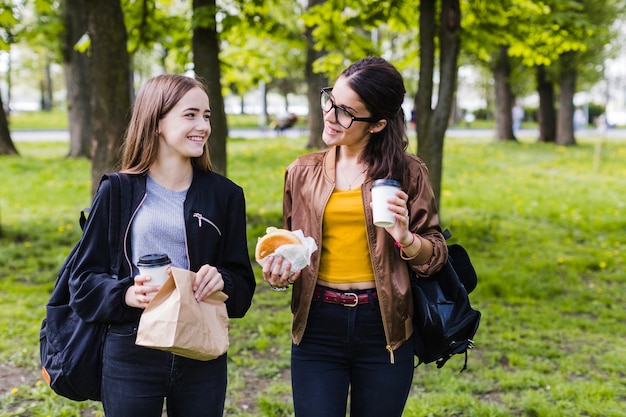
{"x": 154, "y": 100}
{"x": 381, "y": 88}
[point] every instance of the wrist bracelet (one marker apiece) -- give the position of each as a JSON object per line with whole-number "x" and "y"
{"x": 408, "y": 258}
{"x": 277, "y": 289}
{"x": 398, "y": 244}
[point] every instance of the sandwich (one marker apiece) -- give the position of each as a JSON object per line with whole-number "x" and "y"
{"x": 272, "y": 240}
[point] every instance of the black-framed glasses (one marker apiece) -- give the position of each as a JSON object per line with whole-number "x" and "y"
{"x": 342, "y": 116}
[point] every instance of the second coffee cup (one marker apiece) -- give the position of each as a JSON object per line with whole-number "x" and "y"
{"x": 155, "y": 265}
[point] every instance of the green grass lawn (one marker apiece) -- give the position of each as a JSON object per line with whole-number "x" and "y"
{"x": 545, "y": 229}
{"x": 57, "y": 119}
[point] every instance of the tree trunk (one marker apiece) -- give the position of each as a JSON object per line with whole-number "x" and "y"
{"x": 315, "y": 82}
{"x": 6, "y": 143}
{"x": 46, "y": 87}
{"x": 110, "y": 93}
{"x": 76, "y": 69}
{"x": 432, "y": 124}
{"x": 265, "y": 114}
{"x": 503, "y": 96}
{"x": 547, "y": 114}
{"x": 423, "y": 99}
{"x": 567, "y": 88}
{"x": 206, "y": 50}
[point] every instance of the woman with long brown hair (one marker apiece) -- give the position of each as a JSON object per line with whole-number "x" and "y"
{"x": 181, "y": 208}
{"x": 352, "y": 307}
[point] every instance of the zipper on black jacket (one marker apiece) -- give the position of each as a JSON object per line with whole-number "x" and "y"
{"x": 201, "y": 219}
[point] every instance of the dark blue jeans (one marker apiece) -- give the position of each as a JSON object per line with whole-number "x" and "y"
{"x": 135, "y": 380}
{"x": 344, "y": 352}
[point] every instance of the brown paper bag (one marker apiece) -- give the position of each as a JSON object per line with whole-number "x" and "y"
{"x": 176, "y": 322}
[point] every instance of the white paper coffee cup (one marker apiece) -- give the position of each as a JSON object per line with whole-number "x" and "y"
{"x": 383, "y": 190}
{"x": 155, "y": 265}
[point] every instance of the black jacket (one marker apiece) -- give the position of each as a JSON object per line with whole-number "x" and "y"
{"x": 215, "y": 223}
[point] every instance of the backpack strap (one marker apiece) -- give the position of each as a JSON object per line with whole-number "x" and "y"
{"x": 118, "y": 208}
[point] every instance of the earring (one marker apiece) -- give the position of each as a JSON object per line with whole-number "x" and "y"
{"x": 371, "y": 131}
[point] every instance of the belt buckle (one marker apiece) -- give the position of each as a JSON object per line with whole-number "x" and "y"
{"x": 356, "y": 299}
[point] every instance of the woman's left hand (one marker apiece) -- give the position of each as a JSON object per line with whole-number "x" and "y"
{"x": 208, "y": 281}
{"x": 400, "y": 230}
{"x": 272, "y": 275}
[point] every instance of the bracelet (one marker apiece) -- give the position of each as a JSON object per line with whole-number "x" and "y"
{"x": 404, "y": 247}
{"x": 277, "y": 289}
{"x": 408, "y": 258}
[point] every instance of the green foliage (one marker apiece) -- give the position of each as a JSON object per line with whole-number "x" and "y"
{"x": 538, "y": 33}
{"x": 265, "y": 43}
{"x": 387, "y": 28}
{"x": 544, "y": 229}
{"x": 8, "y": 20}
{"x": 595, "y": 110}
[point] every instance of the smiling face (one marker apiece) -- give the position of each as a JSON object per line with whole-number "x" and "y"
{"x": 185, "y": 129}
{"x": 358, "y": 134}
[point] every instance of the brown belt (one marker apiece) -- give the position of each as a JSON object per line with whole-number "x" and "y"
{"x": 347, "y": 298}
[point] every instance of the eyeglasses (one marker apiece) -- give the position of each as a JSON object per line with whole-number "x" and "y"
{"x": 342, "y": 116}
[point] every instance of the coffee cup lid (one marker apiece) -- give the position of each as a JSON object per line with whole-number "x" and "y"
{"x": 154, "y": 259}
{"x": 386, "y": 181}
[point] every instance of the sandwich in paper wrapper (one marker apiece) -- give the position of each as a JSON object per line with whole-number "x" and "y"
{"x": 292, "y": 246}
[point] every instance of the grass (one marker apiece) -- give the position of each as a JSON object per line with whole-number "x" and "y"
{"x": 57, "y": 119}
{"x": 27, "y": 120}
{"x": 544, "y": 228}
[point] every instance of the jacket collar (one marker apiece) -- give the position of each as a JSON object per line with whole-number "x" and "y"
{"x": 330, "y": 163}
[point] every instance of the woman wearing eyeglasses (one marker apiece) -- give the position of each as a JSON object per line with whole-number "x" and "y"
{"x": 352, "y": 308}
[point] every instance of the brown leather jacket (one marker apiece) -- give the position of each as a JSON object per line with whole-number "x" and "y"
{"x": 309, "y": 182}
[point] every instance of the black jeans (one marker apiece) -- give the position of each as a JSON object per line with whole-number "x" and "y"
{"x": 344, "y": 351}
{"x": 136, "y": 380}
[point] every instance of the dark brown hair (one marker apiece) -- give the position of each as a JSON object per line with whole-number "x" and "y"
{"x": 381, "y": 88}
{"x": 155, "y": 99}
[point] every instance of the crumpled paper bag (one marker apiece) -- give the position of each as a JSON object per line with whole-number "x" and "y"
{"x": 298, "y": 255}
{"x": 174, "y": 321}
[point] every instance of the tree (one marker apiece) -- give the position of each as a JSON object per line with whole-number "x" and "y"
{"x": 586, "y": 27}
{"x": 159, "y": 34}
{"x": 494, "y": 32}
{"x": 7, "y": 23}
{"x": 501, "y": 68}
{"x": 206, "y": 50}
{"x": 6, "y": 144}
{"x": 547, "y": 111}
{"x": 77, "y": 76}
{"x": 110, "y": 93}
{"x": 39, "y": 29}
{"x": 567, "y": 88}
{"x": 563, "y": 39}
{"x": 315, "y": 81}
{"x": 432, "y": 123}
{"x": 263, "y": 48}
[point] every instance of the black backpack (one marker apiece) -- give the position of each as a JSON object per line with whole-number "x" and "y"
{"x": 445, "y": 322}
{"x": 71, "y": 349}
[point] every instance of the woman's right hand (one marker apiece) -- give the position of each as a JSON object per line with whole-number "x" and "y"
{"x": 140, "y": 294}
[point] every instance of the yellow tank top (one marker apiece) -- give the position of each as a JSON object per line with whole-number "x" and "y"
{"x": 345, "y": 256}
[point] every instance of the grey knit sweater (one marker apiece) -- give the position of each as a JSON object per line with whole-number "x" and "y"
{"x": 159, "y": 227}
